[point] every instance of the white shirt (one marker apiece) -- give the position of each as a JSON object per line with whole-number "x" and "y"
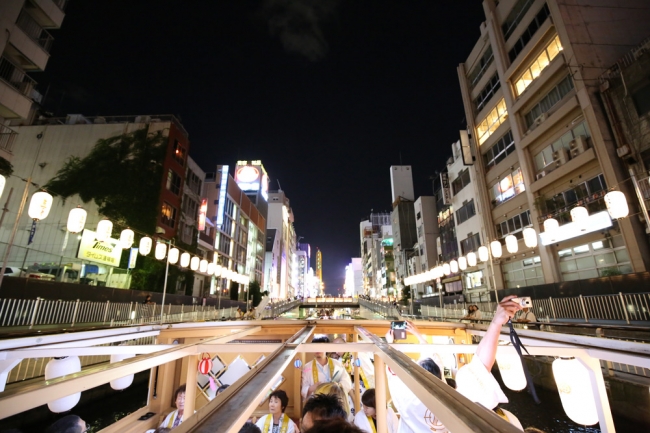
{"x": 361, "y": 421}
{"x": 324, "y": 376}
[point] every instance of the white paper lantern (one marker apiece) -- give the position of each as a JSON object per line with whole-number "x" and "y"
{"x": 580, "y": 216}
{"x": 104, "y": 230}
{"x": 211, "y": 268}
{"x": 439, "y": 272}
{"x": 616, "y": 204}
{"x": 3, "y": 182}
{"x": 173, "y": 256}
{"x": 185, "y": 260}
{"x": 446, "y": 269}
{"x": 40, "y": 205}
{"x": 530, "y": 237}
{"x": 512, "y": 372}
{"x": 194, "y": 263}
{"x": 453, "y": 265}
{"x": 161, "y": 251}
{"x": 77, "y": 220}
{"x": 483, "y": 253}
{"x": 574, "y": 386}
{"x": 462, "y": 263}
{"x": 495, "y": 247}
{"x": 126, "y": 238}
{"x": 512, "y": 244}
{"x": 203, "y": 266}
{"x": 122, "y": 382}
{"x": 471, "y": 259}
{"x": 550, "y": 227}
{"x": 218, "y": 269}
{"x": 145, "y": 245}
{"x": 57, "y": 367}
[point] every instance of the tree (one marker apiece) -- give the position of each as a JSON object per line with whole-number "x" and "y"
{"x": 234, "y": 291}
{"x": 406, "y": 295}
{"x": 6, "y": 169}
{"x": 255, "y": 292}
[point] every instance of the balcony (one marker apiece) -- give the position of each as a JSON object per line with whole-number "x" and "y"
{"x": 7, "y": 137}
{"x": 16, "y": 77}
{"x": 16, "y": 89}
{"x": 34, "y": 30}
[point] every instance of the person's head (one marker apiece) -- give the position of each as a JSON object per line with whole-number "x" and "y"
{"x": 278, "y": 402}
{"x": 334, "y": 425}
{"x": 320, "y": 355}
{"x": 148, "y": 297}
{"x": 221, "y": 389}
{"x": 179, "y": 398}
{"x": 249, "y": 427}
{"x": 68, "y": 424}
{"x": 429, "y": 365}
{"x": 368, "y": 400}
{"x": 321, "y": 407}
{"x": 341, "y": 341}
{"x": 526, "y": 309}
{"x": 476, "y": 308}
{"x": 333, "y": 388}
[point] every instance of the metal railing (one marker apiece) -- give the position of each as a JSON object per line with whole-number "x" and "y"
{"x": 34, "y": 30}
{"x": 7, "y": 138}
{"x": 16, "y": 77}
{"x": 275, "y": 309}
{"x": 386, "y": 309}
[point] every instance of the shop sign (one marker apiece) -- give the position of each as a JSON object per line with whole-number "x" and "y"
{"x": 446, "y": 192}
{"x": 106, "y": 253}
{"x": 202, "y": 211}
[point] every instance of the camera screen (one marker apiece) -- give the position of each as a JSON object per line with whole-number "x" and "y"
{"x": 398, "y": 325}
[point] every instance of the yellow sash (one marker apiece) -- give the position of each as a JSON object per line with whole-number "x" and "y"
{"x": 366, "y": 386}
{"x": 170, "y": 424}
{"x": 372, "y": 425}
{"x": 501, "y": 413}
{"x": 314, "y": 370}
{"x": 284, "y": 423}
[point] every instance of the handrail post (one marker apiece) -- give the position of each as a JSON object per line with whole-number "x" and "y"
{"x": 182, "y": 312}
{"x": 553, "y": 309}
{"x": 74, "y": 313}
{"x": 105, "y": 312}
{"x": 36, "y": 304}
{"x": 627, "y": 317}
{"x": 584, "y": 310}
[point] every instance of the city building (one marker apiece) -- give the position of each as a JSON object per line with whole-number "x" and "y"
{"x": 354, "y": 278}
{"x": 374, "y": 232}
{"x": 302, "y": 262}
{"x": 319, "y": 265}
{"x": 25, "y": 44}
{"x": 426, "y": 225}
{"x": 541, "y": 140}
{"x": 281, "y": 245}
{"x": 402, "y": 220}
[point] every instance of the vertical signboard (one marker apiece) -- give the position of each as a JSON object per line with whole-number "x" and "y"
{"x": 202, "y": 211}
{"x": 133, "y": 256}
{"x": 466, "y": 149}
{"x": 446, "y": 193}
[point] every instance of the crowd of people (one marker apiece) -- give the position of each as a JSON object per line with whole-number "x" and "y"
{"x": 327, "y": 391}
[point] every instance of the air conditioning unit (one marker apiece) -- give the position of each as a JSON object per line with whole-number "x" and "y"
{"x": 540, "y": 175}
{"x": 623, "y": 151}
{"x": 578, "y": 145}
{"x": 560, "y": 156}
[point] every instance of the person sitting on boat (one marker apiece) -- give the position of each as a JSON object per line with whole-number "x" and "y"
{"x": 175, "y": 418}
{"x": 322, "y": 370}
{"x": 321, "y": 407}
{"x": 333, "y": 388}
{"x": 277, "y": 421}
{"x": 366, "y": 370}
{"x": 366, "y": 420}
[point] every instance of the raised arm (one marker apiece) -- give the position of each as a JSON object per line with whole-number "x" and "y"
{"x": 487, "y": 348}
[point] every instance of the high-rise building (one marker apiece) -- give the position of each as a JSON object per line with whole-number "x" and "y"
{"x": 402, "y": 220}
{"x": 541, "y": 141}
{"x": 354, "y": 278}
{"x": 302, "y": 264}
{"x": 280, "y": 247}
{"x": 426, "y": 225}
{"x": 25, "y": 44}
{"x": 375, "y": 233}
{"x": 319, "y": 265}
{"x": 401, "y": 182}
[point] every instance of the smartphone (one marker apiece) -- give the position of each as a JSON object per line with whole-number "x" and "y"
{"x": 399, "y": 329}
{"x": 524, "y": 301}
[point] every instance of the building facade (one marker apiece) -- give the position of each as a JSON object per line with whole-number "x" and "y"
{"x": 281, "y": 249}
{"x": 402, "y": 220}
{"x": 354, "y": 278}
{"x": 378, "y": 272}
{"x": 426, "y": 225}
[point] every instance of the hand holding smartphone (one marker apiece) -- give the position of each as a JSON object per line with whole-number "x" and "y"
{"x": 399, "y": 329}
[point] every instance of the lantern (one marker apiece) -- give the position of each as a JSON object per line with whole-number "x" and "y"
{"x": 126, "y": 238}
{"x": 574, "y": 386}
{"x": 205, "y": 364}
{"x": 446, "y": 269}
{"x": 497, "y": 251}
{"x": 462, "y": 263}
{"x": 580, "y": 216}
{"x": 218, "y": 270}
{"x": 512, "y": 244}
{"x": 58, "y": 367}
{"x": 297, "y": 363}
{"x": 173, "y": 256}
{"x": 203, "y": 266}
{"x": 77, "y": 219}
{"x": 104, "y": 230}
{"x": 530, "y": 237}
{"x": 39, "y": 206}
{"x": 161, "y": 251}
{"x": 211, "y": 268}
{"x": 616, "y": 204}
{"x": 512, "y": 372}
{"x": 145, "y": 245}
{"x": 471, "y": 259}
{"x": 483, "y": 253}
{"x": 439, "y": 272}
{"x": 454, "y": 266}
{"x": 3, "y": 181}
{"x": 194, "y": 263}
{"x": 550, "y": 226}
{"x": 185, "y": 260}
{"x": 122, "y": 382}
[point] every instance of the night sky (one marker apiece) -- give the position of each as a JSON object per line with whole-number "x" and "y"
{"x": 327, "y": 93}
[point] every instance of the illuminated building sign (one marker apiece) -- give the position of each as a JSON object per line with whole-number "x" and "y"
{"x": 251, "y": 176}
{"x": 265, "y": 187}
{"x": 106, "y": 253}
{"x": 202, "y": 211}
{"x": 223, "y": 186}
{"x": 446, "y": 192}
{"x": 597, "y": 221}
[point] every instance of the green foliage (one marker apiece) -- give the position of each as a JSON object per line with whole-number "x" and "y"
{"x": 406, "y": 295}
{"x": 121, "y": 175}
{"x": 234, "y": 291}
{"x": 6, "y": 169}
{"x": 255, "y": 292}
{"x": 610, "y": 272}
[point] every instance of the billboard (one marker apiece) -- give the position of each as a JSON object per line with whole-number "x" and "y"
{"x": 106, "y": 253}
{"x": 202, "y": 211}
{"x": 251, "y": 176}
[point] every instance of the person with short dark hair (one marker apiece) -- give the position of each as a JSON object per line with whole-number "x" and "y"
{"x": 68, "y": 424}
{"x": 334, "y": 425}
{"x": 249, "y": 427}
{"x": 277, "y": 421}
{"x": 366, "y": 419}
{"x": 175, "y": 418}
{"x": 321, "y": 407}
{"x": 323, "y": 369}
{"x": 221, "y": 389}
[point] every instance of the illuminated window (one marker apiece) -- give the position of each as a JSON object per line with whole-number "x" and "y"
{"x": 537, "y": 66}
{"x": 179, "y": 153}
{"x": 528, "y": 34}
{"x": 508, "y": 187}
{"x": 173, "y": 182}
{"x": 553, "y": 97}
{"x": 168, "y": 215}
{"x": 492, "y": 121}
